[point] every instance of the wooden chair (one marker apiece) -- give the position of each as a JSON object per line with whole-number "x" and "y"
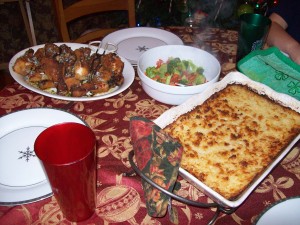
{"x": 88, "y": 7}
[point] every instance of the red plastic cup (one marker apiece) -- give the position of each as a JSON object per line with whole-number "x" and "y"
{"x": 67, "y": 154}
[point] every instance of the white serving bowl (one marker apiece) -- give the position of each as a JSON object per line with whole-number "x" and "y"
{"x": 175, "y": 95}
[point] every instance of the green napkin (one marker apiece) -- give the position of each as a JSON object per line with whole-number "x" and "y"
{"x": 274, "y": 69}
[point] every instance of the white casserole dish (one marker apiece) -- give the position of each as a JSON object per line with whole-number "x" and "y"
{"x": 232, "y": 78}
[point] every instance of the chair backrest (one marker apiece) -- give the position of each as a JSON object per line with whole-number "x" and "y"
{"x": 87, "y": 7}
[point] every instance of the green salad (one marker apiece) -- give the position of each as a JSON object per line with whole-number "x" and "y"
{"x": 176, "y": 72}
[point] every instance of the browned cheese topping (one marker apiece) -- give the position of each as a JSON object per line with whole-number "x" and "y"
{"x": 232, "y": 137}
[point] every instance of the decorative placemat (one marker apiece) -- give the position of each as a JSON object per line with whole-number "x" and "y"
{"x": 274, "y": 69}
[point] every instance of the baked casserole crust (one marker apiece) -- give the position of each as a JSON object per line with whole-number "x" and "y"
{"x": 232, "y": 137}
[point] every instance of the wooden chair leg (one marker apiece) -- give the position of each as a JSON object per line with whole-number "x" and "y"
{"x": 27, "y": 18}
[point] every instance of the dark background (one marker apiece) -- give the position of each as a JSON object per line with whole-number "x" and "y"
{"x": 154, "y": 13}
{"x": 13, "y": 36}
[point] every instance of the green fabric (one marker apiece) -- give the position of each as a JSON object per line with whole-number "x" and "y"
{"x": 274, "y": 69}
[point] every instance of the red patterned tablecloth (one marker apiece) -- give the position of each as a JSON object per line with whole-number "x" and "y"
{"x": 119, "y": 198}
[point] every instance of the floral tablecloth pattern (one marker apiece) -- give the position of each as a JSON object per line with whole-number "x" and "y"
{"x": 120, "y": 199}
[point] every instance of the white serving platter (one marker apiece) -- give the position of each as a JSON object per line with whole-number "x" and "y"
{"x": 128, "y": 73}
{"x": 237, "y": 78}
{"x": 22, "y": 179}
{"x": 133, "y": 42}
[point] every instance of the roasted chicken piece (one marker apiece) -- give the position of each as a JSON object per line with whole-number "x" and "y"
{"x": 62, "y": 88}
{"x": 25, "y": 64}
{"x": 71, "y": 82}
{"x": 113, "y": 62}
{"x": 82, "y": 90}
{"x": 66, "y": 54}
{"x": 39, "y": 54}
{"x": 46, "y": 84}
{"x": 51, "y": 50}
{"x": 51, "y": 68}
{"x": 37, "y": 76}
{"x": 83, "y": 54}
{"x": 81, "y": 70}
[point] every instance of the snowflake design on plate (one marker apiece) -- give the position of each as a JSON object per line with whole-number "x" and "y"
{"x": 26, "y": 154}
{"x": 142, "y": 48}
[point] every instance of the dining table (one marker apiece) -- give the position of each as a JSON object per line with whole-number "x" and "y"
{"x": 120, "y": 196}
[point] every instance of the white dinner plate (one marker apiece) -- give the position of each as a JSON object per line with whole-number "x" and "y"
{"x": 22, "y": 179}
{"x": 282, "y": 212}
{"x": 128, "y": 74}
{"x": 132, "y": 42}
